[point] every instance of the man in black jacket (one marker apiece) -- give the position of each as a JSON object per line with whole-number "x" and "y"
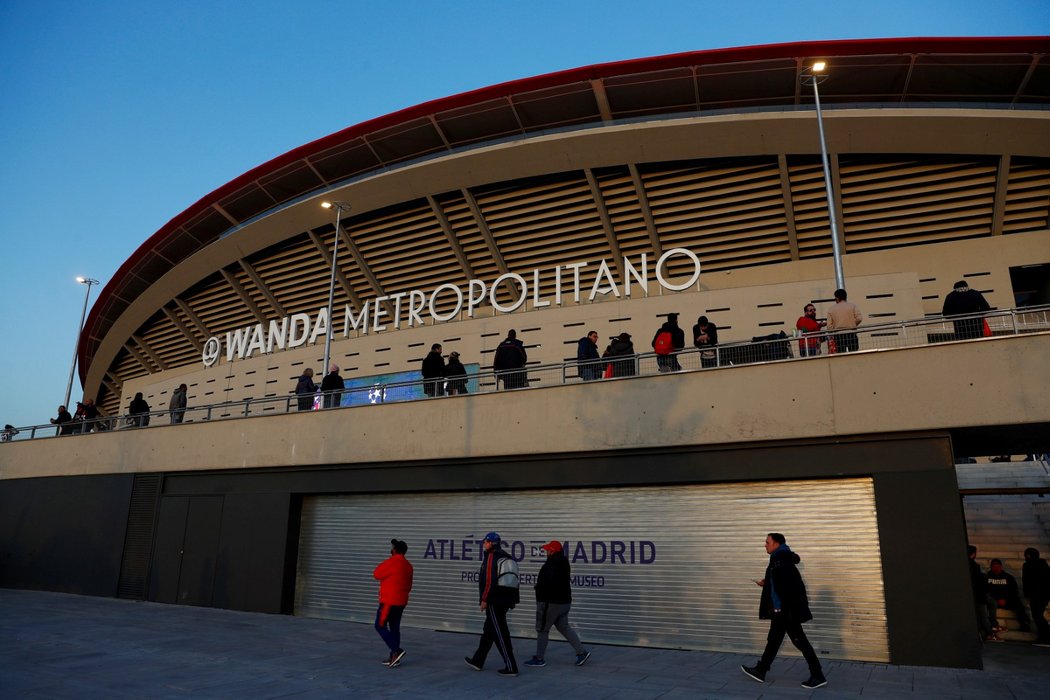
{"x": 509, "y": 362}
{"x": 785, "y": 604}
{"x": 553, "y": 600}
{"x": 331, "y": 386}
{"x": 496, "y": 600}
{"x": 1035, "y": 579}
{"x": 434, "y": 368}
{"x": 963, "y": 300}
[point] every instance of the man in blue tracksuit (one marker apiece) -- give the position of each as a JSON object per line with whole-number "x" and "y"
{"x": 496, "y": 601}
{"x": 785, "y": 605}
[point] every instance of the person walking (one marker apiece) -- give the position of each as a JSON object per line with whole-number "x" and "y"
{"x": 588, "y": 364}
{"x": 177, "y": 405}
{"x": 331, "y": 386}
{"x": 509, "y": 362}
{"x": 963, "y": 301}
{"x": 785, "y": 604}
{"x": 434, "y": 369}
{"x": 395, "y": 583}
{"x": 668, "y": 340}
{"x": 553, "y": 601}
{"x": 498, "y": 593}
{"x": 844, "y": 315}
{"x": 305, "y": 390}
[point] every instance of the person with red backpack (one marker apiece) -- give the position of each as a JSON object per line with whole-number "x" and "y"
{"x": 667, "y": 341}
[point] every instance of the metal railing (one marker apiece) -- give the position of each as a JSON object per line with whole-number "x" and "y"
{"x": 780, "y": 347}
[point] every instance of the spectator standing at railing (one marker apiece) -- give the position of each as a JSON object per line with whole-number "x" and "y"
{"x": 177, "y": 405}
{"x": 509, "y": 362}
{"x": 9, "y": 433}
{"x": 842, "y": 316}
{"x": 456, "y": 374}
{"x": 705, "y": 337}
{"x": 620, "y": 347}
{"x": 331, "y": 386}
{"x": 666, "y": 347}
{"x": 88, "y": 414}
{"x": 434, "y": 368}
{"x": 64, "y": 421}
{"x": 138, "y": 411}
{"x": 809, "y": 327}
{"x": 961, "y": 301}
{"x": 305, "y": 390}
{"x": 588, "y": 363}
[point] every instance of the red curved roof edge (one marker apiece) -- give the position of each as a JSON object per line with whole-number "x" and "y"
{"x": 821, "y": 49}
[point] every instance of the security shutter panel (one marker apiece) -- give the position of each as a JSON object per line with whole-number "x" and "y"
{"x": 662, "y": 566}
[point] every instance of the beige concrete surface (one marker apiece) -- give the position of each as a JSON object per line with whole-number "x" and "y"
{"x": 974, "y": 383}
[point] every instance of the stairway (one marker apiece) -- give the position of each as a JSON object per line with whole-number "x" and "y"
{"x": 1007, "y": 509}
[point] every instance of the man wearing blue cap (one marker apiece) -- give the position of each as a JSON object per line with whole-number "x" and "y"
{"x": 498, "y": 588}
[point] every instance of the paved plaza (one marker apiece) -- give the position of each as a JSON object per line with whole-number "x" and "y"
{"x": 65, "y": 646}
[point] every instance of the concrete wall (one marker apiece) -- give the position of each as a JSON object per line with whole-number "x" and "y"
{"x": 988, "y": 382}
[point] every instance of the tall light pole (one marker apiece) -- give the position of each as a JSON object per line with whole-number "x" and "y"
{"x": 339, "y": 207}
{"x": 813, "y": 75}
{"x": 83, "y": 314}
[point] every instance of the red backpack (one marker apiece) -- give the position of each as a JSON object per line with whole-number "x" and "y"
{"x": 663, "y": 344}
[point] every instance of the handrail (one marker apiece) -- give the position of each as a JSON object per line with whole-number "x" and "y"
{"x": 877, "y": 337}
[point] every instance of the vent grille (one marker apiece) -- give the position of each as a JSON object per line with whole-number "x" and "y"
{"x": 138, "y": 540}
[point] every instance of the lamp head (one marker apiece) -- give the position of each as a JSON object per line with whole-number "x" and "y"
{"x": 341, "y": 206}
{"x": 819, "y": 66}
{"x": 86, "y": 280}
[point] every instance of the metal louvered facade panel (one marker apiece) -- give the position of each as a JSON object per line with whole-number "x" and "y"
{"x": 138, "y": 538}
{"x": 661, "y": 566}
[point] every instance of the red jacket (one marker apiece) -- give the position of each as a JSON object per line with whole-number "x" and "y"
{"x": 395, "y": 580}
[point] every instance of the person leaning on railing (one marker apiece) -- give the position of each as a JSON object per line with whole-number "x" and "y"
{"x": 810, "y": 328}
{"x": 963, "y": 300}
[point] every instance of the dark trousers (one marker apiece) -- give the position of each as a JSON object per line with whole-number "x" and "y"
{"x": 847, "y": 342}
{"x": 1042, "y": 627}
{"x": 389, "y": 625}
{"x": 668, "y": 363}
{"x": 495, "y": 632}
{"x": 778, "y": 627}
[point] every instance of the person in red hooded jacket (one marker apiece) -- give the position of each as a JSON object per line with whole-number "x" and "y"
{"x": 395, "y": 582}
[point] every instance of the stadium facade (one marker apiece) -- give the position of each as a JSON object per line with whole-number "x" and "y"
{"x": 597, "y": 198}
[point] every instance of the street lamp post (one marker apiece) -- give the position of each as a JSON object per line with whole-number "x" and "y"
{"x": 83, "y": 314}
{"x": 813, "y": 75}
{"x": 339, "y": 207}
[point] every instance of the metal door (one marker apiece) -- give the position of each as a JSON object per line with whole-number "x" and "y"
{"x": 661, "y": 566}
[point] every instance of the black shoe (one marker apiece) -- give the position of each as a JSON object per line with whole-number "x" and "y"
{"x": 754, "y": 673}
{"x": 815, "y": 682}
{"x": 470, "y": 662}
{"x": 396, "y": 657}
{"x": 507, "y": 672}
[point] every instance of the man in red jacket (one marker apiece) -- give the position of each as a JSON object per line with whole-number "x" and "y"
{"x": 395, "y": 582}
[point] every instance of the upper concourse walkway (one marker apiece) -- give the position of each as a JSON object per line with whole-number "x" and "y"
{"x": 981, "y": 384}
{"x": 769, "y": 349}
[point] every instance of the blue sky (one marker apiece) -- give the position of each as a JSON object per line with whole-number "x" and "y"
{"x": 116, "y": 116}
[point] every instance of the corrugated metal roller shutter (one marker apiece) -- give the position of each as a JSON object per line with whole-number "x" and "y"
{"x": 662, "y": 566}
